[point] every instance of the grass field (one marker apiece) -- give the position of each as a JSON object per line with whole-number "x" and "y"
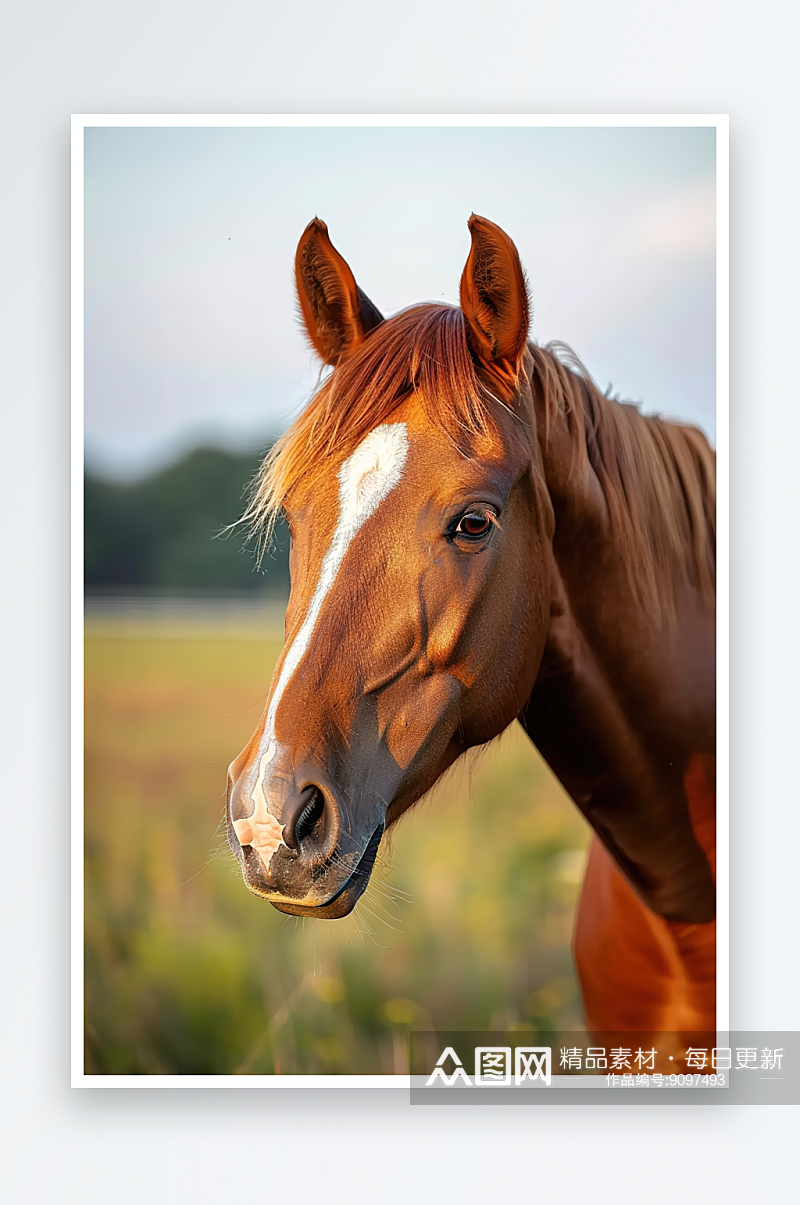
{"x": 187, "y": 973}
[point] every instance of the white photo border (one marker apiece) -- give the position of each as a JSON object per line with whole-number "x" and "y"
{"x": 80, "y": 122}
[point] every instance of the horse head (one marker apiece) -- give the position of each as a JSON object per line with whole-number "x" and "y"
{"x": 420, "y": 544}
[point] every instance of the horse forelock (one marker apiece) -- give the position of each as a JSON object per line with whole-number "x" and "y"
{"x": 422, "y": 350}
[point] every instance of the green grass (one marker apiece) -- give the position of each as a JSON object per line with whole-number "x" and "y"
{"x": 187, "y": 973}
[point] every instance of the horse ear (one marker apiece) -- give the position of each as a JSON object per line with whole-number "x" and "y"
{"x": 494, "y": 298}
{"x": 335, "y": 312}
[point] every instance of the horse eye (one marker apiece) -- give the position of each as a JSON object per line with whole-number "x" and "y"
{"x": 473, "y": 525}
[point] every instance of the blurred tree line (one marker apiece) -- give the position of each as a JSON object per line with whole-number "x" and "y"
{"x": 166, "y": 533}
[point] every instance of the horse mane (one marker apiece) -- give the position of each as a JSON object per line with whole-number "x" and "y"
{"x": 658, "y": 477}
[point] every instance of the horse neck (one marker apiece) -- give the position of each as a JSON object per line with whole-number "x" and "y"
{"x": 632, "y": 588}
{"x": 624, "y": 694}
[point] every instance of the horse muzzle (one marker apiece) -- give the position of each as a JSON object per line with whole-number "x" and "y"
{"x": 346, "y": 898}
{"x": 287, "y": 834}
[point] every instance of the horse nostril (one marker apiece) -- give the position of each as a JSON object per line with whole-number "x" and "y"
{"x": 310, "y": 814}
{"x": 300, "y": 826}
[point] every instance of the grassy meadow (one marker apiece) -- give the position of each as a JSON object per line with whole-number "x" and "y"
{"x": 187, "y": 973}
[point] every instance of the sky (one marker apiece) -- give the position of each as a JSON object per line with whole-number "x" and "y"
{"x": 191, "y": 334}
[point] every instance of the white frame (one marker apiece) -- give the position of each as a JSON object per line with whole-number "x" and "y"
{"x": 79, "y": 124}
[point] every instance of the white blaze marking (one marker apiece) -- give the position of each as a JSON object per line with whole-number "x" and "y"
{"x": 365, "y": 480}
{"x": 261, "y": 829}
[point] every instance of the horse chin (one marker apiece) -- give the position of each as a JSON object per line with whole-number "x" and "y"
{"x": 340, "y": 905}
{"x": 348, "y": 895}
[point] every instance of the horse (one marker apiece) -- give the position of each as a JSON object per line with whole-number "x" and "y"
{"x": 480, "y": 536}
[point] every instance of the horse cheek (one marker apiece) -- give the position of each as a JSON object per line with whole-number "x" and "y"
{"x": 422, "y": 722}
